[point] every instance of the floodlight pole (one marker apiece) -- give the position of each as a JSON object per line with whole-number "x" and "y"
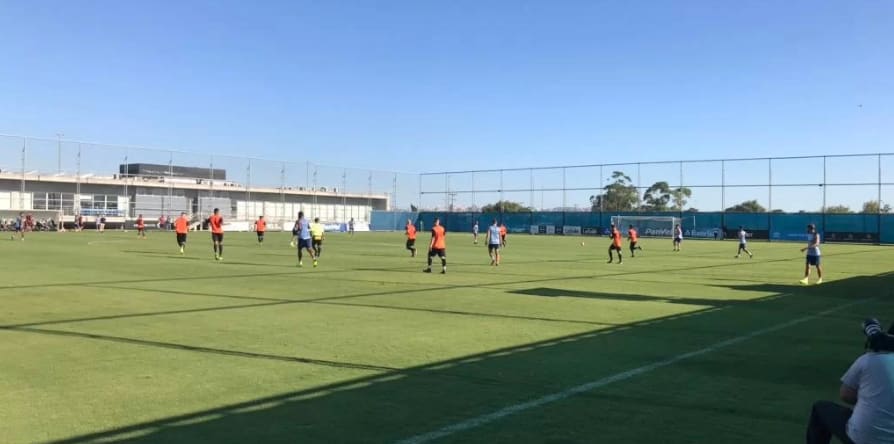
{"x": 59, "y": 152}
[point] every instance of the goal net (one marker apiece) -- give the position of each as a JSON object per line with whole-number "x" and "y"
{"x": 651, "y": 226}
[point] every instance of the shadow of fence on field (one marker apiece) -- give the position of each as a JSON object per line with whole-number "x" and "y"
{"x": 389, "y": 405}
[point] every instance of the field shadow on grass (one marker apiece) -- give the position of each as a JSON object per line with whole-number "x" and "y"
{"x": 388, "y": 405}
{"x": 561, "y": 292}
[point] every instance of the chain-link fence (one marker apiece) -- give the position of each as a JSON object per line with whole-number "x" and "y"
{"x": 813, "y": 184}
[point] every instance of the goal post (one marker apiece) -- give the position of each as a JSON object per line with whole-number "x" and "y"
{"x": 648, "y": 226}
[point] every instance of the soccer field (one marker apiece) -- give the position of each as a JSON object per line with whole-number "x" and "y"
{"x": 114, "y": 339}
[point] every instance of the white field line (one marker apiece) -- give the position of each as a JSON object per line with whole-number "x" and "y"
{"x": 507, "y": 411}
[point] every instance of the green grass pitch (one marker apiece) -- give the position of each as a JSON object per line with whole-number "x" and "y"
{"x": 107, "y": 338}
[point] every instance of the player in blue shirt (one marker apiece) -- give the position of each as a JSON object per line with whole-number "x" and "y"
{"x": 305, "y": 241}
{"x": 813, "y": 255}
{"x": 19, "y": 226}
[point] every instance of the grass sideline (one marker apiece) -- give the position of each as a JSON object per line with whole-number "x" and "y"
{"x": 113, "y": 339}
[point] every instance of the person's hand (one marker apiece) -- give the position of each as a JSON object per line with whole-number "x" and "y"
{"x": 803, "y": 249}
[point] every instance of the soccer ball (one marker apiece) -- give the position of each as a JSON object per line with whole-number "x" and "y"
{"x": 581, "y": 244}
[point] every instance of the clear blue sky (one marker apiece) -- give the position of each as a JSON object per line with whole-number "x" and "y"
{"x": 425, "y": 85}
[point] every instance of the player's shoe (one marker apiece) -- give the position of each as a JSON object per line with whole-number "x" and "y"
{"x": 220, "y": 258}
{"x": 609, "y": 261}
{"x": 292, "y": 244}
{"x": 181, "y": 251}
{"x": 315, "y": 264}
{"x": 427, "y": 270}
{"x": 803, "y": 281}
{"x": 300, "y": 263}
{"x": 444, "y": 271}
{"x": 750, "y": 256}
{"x": 736, "y": 256}
{"x": 819, "y": 281}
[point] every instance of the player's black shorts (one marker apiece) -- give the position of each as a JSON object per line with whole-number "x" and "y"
{"x": 614, "y": 247}
{"x": 411, "y": 244}
{"x": 816, "y": 261}
{"x": 181, "y": 238}
{"x": 304, "y": 243}
{"x": 633, "y": 244}
{"x": 677, "y": 240}
{"x": 260, "y": 235}
{"x": 493, "y": 247}
{"x": 439, "y": 252}
{"x": 742, "y": 246}
{"x": 217, "y": 237}
{"x": 317, "y": 243}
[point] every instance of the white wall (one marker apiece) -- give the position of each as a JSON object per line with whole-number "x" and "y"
{"x": 248, "y": 210}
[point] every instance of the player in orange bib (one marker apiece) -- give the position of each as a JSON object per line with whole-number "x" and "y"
{"x": 615, "y": 246}
{"x": 141, "y": 227}
{"x": 260, "y": 228}
{"x": 438, "y": 246}
{"x": 633, "y": 237}
{"x": 216, "y": 224}
{"x": 411, "y": 237}
{"x": 181, "y": 227}
{"x": 503, "y": 235}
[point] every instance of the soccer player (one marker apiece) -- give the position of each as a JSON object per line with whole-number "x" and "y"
{"x": 351, "y": 226}
{"x": 813, "y": 255}
{"x": 411, "y": 237}
{"x": 437, "y": 246}
{"x": 503, "y": 235}
{"x": 317, "y": 231}
{"x": 494, "y": 240}
{"x": 475, "y": 233}
{"x": 295, "y": 230}
{"x": 304, "y": 240}
{"x": 181, "y": 227}
{"x": 615, "y": 245}
{"x": 19, "y": 227}
{"x": 743, "y": 243}
{"x": 141, "y": 227}
{"x": 678, "y": 237}
{"x": 216, "y": 224}
{"x": 261, "y": 228}
{"x": 633, "y": 238}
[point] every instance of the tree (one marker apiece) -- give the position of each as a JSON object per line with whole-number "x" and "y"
{"x": 872, "y": 207}
{"x": 680, "y": 196}
{"x": 620, "y": 195}
{"x": 749, "y": 206}
{"x": 778, "y": 211}
{"x": 413, "y": 208}
{"x": 838, "y": 209}
{"x": 506, "y": 206}
{"x": 657, "y": 197}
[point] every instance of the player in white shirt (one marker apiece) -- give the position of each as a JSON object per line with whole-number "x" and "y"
{"x": 475, "y": 233}
{"x": 743, "y": 243}
{"x": 678, "y": 237}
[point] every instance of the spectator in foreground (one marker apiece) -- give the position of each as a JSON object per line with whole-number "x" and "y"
{"x": 868, "y": 385}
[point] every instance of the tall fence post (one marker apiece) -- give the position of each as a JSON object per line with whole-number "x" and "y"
{"x": 879, "y": 202}
{"x": 22, "y": 190}
{"x": 824, "y": 185}
{"x": 76, "y": 205}
{"x": 282, "y": 194}
{"x": 770, "y": 200}
{"x": 723, "y": 196}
